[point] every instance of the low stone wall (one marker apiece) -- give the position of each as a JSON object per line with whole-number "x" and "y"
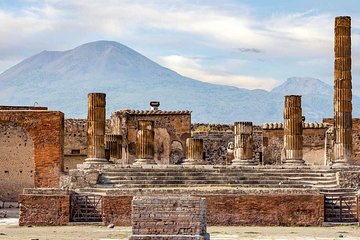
{"x": 265, "y": 210}
{"x": 240, "y": 210}
{"x": 168, "y": 217}
{"x": 44, "y": 210}
{"x": 349, "y": 179}
{"x": 117, "y": 210}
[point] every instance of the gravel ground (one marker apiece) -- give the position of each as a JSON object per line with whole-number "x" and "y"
{"x": 9, "y": 229}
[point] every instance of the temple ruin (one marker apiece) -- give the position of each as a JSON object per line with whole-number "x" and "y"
{"x": 99, "y": 170}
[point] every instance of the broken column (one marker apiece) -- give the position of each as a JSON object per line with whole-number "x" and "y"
{"x": 113, "y": 142}
{"x": 145, "y": 143}
{"x": 243, "y": 152}
{"x": 293, "y": 131}
{"x": 342, "y": 92}
{"x": 96, "y": 128}
{"x": 194, "y": 151}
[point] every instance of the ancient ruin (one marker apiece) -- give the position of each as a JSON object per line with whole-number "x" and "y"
{"x": 342, "y": 92}
{"x": 293, "y": 131}
{"x": 243, "y": 153}
{"x": 293, "y": 173}
{"x": 96, "y": 128}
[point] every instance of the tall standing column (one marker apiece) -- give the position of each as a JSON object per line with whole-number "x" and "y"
{"x": 145, "y": 143}
{"x": 293, "y": 131}
{"x": 96, "y": 128}
{"x": 194, "y": 152}
{"x": 342, "y": 92}
{"x": 243, "y": 152}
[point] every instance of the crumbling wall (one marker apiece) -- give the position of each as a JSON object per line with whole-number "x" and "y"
{"x": 31, "y": 150}
{"x": 171, "y": 130}
{"x": 16, "y": 161}
{"x": 355, "y": 137}
{"x": 218, "y": 142}
{"x": 313, "y": 145}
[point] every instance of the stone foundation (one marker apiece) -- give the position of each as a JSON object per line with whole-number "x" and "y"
{"x": 159, "y": 217}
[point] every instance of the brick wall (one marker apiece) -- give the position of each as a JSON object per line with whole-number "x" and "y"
{"x": 239, "y": 210}
{"x": 117, "y": 210}
{"x": 266, "y": 210}
{"x": 169, "y": 216}
{"x": 44, "y": 210}
{"x": 45, "y": 131}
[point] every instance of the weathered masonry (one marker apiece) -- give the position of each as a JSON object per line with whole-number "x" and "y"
{"x": 284, "y": 174}
{"x": 171, "y": 130}
{"x": 31, "y": 146}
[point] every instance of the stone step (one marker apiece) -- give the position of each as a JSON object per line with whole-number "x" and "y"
{"x": 275, "y": 177}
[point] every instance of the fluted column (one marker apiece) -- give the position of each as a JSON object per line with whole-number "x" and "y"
{"x": 293, "y": 131}
{"x": 96, "y": 128}
{"x": 113, "y": 142}
{"x": 342, "y": 92}
{"x": 194, "y": 152}
{"x": 145, "y": 143}
{"x": 243, "y": 152}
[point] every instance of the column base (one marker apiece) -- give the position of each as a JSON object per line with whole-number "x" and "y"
{"x": 341, "y": 163}
{"x": 96, "y": 160}
{"x": 293, "y": 162}
{"x": 144, "y": 161}
{"x": 194, "y": 162}
{"x": 242, "y": 162}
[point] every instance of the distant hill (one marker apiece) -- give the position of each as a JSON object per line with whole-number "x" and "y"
{"x": 62, "y": 79}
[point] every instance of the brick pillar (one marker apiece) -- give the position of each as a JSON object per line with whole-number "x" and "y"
{"x": 243, "y": 152}
{"x": 293, "y": 131}
{"x": 194, "y": 152}
{"x": 145, "y": 143}
{"x": 342, "y": 92}
{"x": 96, "y": 128}
{"x": 113, "y": 142}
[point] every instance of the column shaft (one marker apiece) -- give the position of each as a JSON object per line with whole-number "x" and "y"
{"x": 145, "y": 143}
{"x": 342, "y": 92}
{"x": 96, "y": 127}
{"x": 243, "y": 144}
{"x": 113, "y": 142}
{"x": 194, "y": 151}
{"x": 293, "y": 131}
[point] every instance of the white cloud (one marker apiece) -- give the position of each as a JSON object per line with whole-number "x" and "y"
{"x": 193, "y": 68}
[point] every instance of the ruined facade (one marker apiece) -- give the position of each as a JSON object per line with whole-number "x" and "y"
{"x": 171, "y": 129}
{"x": 31, "y": 150}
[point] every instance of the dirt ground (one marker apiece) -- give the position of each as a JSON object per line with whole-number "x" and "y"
{"x": 9, "y": 230}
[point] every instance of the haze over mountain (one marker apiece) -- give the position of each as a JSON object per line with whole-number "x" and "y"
{"x": 62, "y": 79}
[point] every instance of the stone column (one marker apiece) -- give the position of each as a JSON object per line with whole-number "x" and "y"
{"x": 243, "y": 152}
{"x": 145, "y": 143}
{"x": 113, "y": 142}
{"x": 293, "y": 131}
{"x": 342, "y": 92}
{"x": 96, "y": 128}
{"x": 194, "y": 152}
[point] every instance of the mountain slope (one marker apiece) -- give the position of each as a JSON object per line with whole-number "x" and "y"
{"x": 61, "y": 81}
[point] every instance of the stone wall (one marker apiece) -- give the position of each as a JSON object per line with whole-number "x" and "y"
{"x": 168, "y": 217}
{"x": 262, "y": 209}
{"x": 117, "y": 210}
{"x": 75, "y": 142}
{"x": 44, "y": 210}
{"x": 313, "y": 145}
{"x": 219, "y": 139}
{"x": 171, "y": 130}
{"x": 265, "y": 210}
{"x": 31, "y": 146}
{"x": 355, "y": 137}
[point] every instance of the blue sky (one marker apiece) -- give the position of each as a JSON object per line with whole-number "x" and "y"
{"x": 250, "y": 44}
